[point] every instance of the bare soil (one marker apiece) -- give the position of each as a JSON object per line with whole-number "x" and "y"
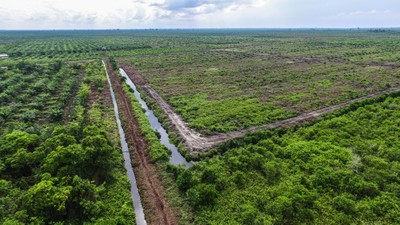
{"x": 80, "y": 61}
{"x": 106, "y": 97}
{"x": 94, "y": 95}
{"x": 197, "y": 143}
{"x": 69, "y": 107}
{"x": 156, "y": 208}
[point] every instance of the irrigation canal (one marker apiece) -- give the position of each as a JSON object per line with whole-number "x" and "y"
{"x": 176, "y": 157}
{"x": 137, "y": 203}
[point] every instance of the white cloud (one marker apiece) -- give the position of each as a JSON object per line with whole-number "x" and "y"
{"x": 76, "y": 14}
{"x": 362, "y": 13}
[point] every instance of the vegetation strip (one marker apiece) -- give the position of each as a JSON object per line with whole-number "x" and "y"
{"x": 157, "y": 210}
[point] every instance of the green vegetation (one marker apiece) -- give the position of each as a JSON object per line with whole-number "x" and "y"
{"x": 157, "y": 151}
{"x": 342, "y": 170}
{"x": 39, "y": 94}
{"x": 79, "y": 45}
{"x": 59, "y": 162}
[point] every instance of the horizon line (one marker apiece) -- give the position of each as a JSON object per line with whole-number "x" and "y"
{"x": 204, "y": 28}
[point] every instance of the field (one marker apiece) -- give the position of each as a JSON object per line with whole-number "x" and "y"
{"x": 61, "y": 160}
{"x": 253, "y": 79}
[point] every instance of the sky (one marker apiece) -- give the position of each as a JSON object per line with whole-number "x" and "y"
{"x": 139, "y": 14}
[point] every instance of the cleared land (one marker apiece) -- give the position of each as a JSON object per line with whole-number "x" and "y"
{"x": 247, "y": 80}
{"x": 196, "y": 142}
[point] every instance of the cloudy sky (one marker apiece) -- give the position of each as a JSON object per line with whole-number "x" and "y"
{"x": 134, "y": 14}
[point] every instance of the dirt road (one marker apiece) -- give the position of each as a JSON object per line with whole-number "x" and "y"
{"x": 156, "y": 209}
{"x": 196, "y": 143}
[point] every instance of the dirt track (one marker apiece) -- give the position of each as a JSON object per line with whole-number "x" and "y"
{"x": 197, "y": 143}
{"x": 156, "y": 209}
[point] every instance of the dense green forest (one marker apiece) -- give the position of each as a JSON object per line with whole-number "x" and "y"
{"x": 59, "y": 160}
{"x": 342, "y": 170}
